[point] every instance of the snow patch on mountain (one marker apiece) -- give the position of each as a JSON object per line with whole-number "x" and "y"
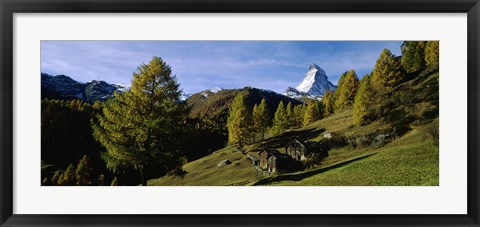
{"x": 215, "y": 89}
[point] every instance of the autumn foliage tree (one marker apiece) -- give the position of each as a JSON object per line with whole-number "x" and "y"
{"x": 387, "y": 72}
{"x": 364, "y": 105}
{"x": 57, "y": 178}
{"x": 432, "y": 53}
{"x": 298, "y": 113}
{"x": 84, "y": 172}
{"x": 69, "y": 176}
{"x": 239, "y": 121}
{"x": 346, "y": 90}
{"x": 313, "y": 112}
{"x": 328, "y": 103}
{"x": 290, "y": 115}
{"x": 280, "y": 120}
{"x": 260, "y": 117}
{"x": 141, "y": 128}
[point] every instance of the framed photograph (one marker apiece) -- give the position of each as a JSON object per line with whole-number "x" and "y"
{"x": 218, "y": 113}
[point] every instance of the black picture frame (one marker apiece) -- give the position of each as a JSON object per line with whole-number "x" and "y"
{"x": 10, "y": 7}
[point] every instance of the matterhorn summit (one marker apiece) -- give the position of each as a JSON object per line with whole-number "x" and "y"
{"x": 315, "y": 83}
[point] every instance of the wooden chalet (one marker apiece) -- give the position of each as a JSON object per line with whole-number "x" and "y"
{"x": 271, "y": 160}
{"x": 300, "y": 151}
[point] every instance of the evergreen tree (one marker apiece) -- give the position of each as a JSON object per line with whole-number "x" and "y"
{"x": 68, "y": 178}
{"x": 387, "y": 72}
{"x": 261, "y": 118}
{"x": 265, "y": 116}
{"x": 413, "y": 55}
{"x": 328, "y": 102}
{"x": 290, "y": 115}
{"x": 280, "y": 121}
{"x": 57, "y": 178}
{"x": 142, "y": 127}
{"x": 432, "y": 53}
{"x": 312, "y": 113}
{"x": 255, "y": 124}
{"x": 298, "y": 113}
{"x": 346, "y": 90}
{"x": 364, "y": 105}
{"x": 238, "y": 122}
{"x": 84, "y": 171}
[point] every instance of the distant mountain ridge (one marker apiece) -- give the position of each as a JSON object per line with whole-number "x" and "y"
{"x": 215, "y": 105}
{"x": 315, "y": 83}
{"x": 64, "y": 87}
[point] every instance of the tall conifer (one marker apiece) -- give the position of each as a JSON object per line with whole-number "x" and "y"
{"x": 68, "y": 178}
{"x": 239, "y": 120}
{"x": 261, "y": 117}
{"x": 280, "y": 121}
{"x": 432, "y": 53}
{"x": 84, "y": 171}
{"x": 364, "y": 105}
{"x": 290, "y": 115}
{"x": 413, "y": 55}
{"x": 298, "y": 114}
{"x": 387, "y": 72}
{"x": 57, "y": 178}
{"x": 346, "y": 90}
{"x": 312, "y": 112}
{"x": 142, "y": 127}
{"x": 328, "y": 102}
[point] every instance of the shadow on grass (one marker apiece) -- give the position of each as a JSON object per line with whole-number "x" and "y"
{"x": 301, "y": 176}
{"x": 285, "y": 138}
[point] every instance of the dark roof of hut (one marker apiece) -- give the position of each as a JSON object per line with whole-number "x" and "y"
{"x": 309, "y": 145}
{"x": 274, "y": 153}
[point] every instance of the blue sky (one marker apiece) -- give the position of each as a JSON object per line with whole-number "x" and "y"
{"x": 200, "y": 65}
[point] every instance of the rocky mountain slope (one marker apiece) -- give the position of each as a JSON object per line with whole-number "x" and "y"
{"x": 64, "y": 87}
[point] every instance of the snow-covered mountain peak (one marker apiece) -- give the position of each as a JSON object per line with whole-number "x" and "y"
{"x": 315, "y": 83}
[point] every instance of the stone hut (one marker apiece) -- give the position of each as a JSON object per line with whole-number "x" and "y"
{"x": 297, "y": 150}
{"x": 301, "y": 151}
{"x": 271, "y": 160}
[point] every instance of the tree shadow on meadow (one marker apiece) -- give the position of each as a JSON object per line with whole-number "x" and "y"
{"x": 286, "y": 138}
